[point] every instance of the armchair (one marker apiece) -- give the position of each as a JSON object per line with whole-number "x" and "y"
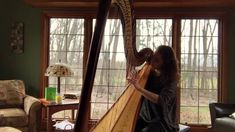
{"x": 220, "y": 120}
{"x": 18, "y": 109}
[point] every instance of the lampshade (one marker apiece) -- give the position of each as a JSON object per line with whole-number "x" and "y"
{"x": 58, "y": 70}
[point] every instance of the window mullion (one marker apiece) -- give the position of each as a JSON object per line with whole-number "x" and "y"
{"x": 176, "y": 40}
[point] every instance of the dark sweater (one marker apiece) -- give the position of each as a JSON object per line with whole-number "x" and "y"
{"x": 165, "y": 111}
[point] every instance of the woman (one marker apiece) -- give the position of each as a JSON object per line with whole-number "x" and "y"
{"x": 158, "y": 110}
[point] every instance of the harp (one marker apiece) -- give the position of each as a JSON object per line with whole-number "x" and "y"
{"x": 126, "y": 107}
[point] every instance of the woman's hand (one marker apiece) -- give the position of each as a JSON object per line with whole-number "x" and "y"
{"x": 132, "y": 78}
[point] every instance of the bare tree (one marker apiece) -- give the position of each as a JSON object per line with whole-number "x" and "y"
{"x": 207, "y": 29}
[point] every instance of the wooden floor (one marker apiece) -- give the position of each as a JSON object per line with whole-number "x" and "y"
{"x": 193, "y": 128}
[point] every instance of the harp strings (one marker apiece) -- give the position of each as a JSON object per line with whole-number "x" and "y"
{"x": 119, "y": 87}
{"x": 113, "y": 115}
{"x": 129, "y": 58}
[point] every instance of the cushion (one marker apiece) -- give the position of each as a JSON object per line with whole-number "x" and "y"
{"x": 9, "y": 129}
{"x": 224, "y": 124}
{"x": 12, "y": 93}
{"x": 15, "y": 117}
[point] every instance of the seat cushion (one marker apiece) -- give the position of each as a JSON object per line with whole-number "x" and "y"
{"x": 224, "y": 124}
{"x": 9, "y": 129}
{"x": 12, "y": 93}
{"x": 14, "y": 117}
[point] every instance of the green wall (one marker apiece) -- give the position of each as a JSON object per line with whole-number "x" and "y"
{"x": 24, "y": 66}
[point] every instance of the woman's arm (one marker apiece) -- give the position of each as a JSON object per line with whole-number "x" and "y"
{"x": 153, "y": 97}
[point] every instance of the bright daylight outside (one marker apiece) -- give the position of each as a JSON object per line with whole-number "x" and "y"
{"x": 198, "y": 62}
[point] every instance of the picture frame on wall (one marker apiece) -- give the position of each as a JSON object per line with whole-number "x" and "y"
{"x": 17, "y": 37}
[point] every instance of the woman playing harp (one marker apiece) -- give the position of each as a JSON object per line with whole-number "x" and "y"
{"x": 158, "y": 110}
{"x": 118, "y": 118}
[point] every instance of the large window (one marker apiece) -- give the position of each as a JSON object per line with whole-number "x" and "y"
{"x": 197, "y": 43}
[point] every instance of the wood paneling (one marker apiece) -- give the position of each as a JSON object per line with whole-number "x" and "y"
{"x": 61, "y": 3}
{"x": 136, "y": 3}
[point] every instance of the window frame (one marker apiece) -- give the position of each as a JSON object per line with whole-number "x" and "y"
{"x": 44, "y": 58}
{"x": 143, "y": 13}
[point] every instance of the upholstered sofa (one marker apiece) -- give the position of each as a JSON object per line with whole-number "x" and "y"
{"x": 220, "y": 117}
{"x": 17, "y": 109}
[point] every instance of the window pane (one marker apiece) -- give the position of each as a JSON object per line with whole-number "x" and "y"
{"x": 199, "y": 69}
{"x": 189, "y": 62}
{"x": 75, "y": 42}
{"x": 75, "y": 59}
{"x": 204, "y": 115}
{"x": 114, "y": 93}
{"x": 144, "y": 41}
{"x": 208, "y": 62}
{"x": 58, "y": 26}
{"x": 118, "y": 61}
{"x": 206, "y": 96}
{"x": 56, "y": 57}
{"x": 117, "y": 77}
{"x": 208, "y": 80}
{"x": 99, "y": 94}
{"x": 189, "y": 97}
{"x": 189, "y": 79}
{"x": 154, "y": 27}
{"x": 66, "y": 26}
{"x": 112, "y": 43}
{"x": 98, "y": 110}
{"x": 153, "y": 32}
{"x": 189, "y": 115}
{"x": 101, "y": 77}
{"x": 57, "y": 43}
{"x": 201, "y": 27}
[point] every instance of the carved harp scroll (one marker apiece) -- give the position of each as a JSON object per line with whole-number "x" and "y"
{"x": 134, "y": 58}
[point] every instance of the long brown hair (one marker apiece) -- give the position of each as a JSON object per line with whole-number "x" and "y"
{"x": 169, "y": 68}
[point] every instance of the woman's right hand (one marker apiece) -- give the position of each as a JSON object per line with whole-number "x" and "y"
{"x": 132, "y": 79}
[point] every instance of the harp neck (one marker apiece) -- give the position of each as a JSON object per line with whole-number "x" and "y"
{"x": 82, "y": 119}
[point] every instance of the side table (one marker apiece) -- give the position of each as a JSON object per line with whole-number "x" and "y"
{"x": 51, "y": 108}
